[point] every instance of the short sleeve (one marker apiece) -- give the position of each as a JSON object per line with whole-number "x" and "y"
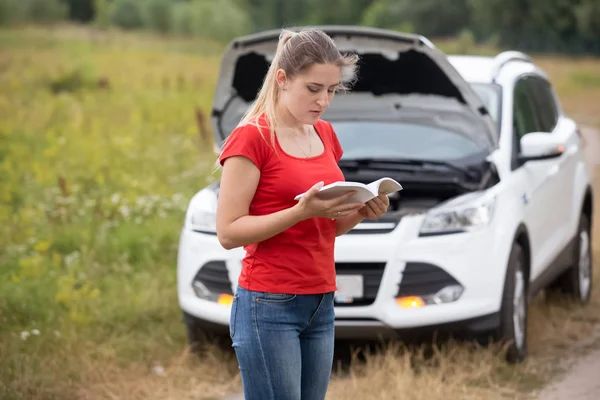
{"x": 246, "y": 141}
{"x": 337, "y": 149}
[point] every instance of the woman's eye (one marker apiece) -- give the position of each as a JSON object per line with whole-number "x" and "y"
{"x": 313, "y": 90}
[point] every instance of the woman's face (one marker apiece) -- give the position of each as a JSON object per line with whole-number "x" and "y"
{"x": 307, "y": 95}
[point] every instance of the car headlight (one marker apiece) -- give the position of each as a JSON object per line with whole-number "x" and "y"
{"x": 460, "y": 215}
{"x": 202, "y": 212}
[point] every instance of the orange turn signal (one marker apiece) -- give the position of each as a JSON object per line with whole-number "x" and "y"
{"x": 410, "y": 302}
{"x": 225, "y": 299}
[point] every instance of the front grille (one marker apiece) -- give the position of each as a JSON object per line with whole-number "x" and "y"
{"x": 374, "y": 227}
{"x": 215, "y": 277}
{"x": 420, "y": 279}
{"x": 371, "y": 273}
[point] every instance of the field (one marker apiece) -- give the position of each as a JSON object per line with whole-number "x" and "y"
{"x": 102, "y": 143}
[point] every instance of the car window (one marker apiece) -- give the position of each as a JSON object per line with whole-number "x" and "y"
{"x": 376, "y": 139}
{"x": 491, "y": 96}
{"x": 524, "y": 114}
{"x": 543, "y": 98}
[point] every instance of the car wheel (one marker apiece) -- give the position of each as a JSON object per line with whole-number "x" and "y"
{"x": 514, "y": 311}
{"x": 196, "y": 335}
{"x": 577, "y": 280}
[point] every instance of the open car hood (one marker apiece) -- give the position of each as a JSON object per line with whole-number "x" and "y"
{"x": 400, "y": 76}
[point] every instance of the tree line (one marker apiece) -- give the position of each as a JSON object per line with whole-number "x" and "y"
{"x": 565, "y": 26}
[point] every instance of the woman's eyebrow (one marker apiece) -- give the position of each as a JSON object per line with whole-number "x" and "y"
{"x": 321, "y": 85}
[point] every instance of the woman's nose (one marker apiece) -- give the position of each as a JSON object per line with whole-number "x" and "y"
{"x": 323, "y": 100}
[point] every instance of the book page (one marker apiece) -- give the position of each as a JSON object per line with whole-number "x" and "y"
{"x": 385, "y": 186}
{"x": 362, "y": 194}
{"x": 336, "y": 189}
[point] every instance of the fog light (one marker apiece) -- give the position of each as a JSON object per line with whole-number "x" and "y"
{"x": 225, "y": 299}
{"x": 410, "y": 302}
{"x": 445, "y": 295}
{"x": 204, "y": 293}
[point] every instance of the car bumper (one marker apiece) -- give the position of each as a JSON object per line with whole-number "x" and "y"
{"x": 388, "y": 261}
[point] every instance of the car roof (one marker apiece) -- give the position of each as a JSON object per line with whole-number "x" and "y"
{"x": 473, "y": 68}
{"x": 484, "y": 69}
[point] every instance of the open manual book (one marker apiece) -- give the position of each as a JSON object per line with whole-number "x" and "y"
{"x": 363, "y": 193}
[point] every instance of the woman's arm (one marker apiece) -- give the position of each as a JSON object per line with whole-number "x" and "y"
{"x": 235, "y": 228}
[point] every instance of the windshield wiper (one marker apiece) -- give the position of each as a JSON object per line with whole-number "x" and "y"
{"x": 399, "y": 162}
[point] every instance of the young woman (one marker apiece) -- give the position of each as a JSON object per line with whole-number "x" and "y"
{"x": 282, "y": 316}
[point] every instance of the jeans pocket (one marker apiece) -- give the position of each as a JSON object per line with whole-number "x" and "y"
{"x": 275, "y": 297}
{"x": 232, "y": 316}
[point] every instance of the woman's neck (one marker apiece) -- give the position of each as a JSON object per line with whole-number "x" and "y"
{"x": 287, "y": 120}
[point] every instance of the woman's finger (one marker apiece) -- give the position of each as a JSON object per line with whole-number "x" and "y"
{"x": 347, "y": 207}
{"x": 380, "y": 203}
{"x": 372, "y": 207}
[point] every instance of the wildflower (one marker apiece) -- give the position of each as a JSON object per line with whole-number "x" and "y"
{"x": 42, "y": 246}
{"x": 158, "y": 370}
{"x": 124, "y": 210}
{"x": 24, "y": 335}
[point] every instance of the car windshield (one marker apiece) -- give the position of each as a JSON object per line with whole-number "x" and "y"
{"x": 376, "y": 139}
{"x": 490, "y": 95}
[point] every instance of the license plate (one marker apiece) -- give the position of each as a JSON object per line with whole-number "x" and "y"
{"x": 349, "y": 288}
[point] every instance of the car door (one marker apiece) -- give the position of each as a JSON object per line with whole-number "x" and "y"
{"x": 562, "y": 169}
{"x": 537, "y": 178}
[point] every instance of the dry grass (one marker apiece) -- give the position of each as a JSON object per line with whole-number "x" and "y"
{"x": 132, "y": 345}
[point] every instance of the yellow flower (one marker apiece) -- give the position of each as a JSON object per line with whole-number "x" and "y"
{"x": 56, "y": 259}
{"x": 42, "y": 246}
{"x": 50, "y": 151}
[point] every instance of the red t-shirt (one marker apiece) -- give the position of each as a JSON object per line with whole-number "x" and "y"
{"x": 300, "y": 259}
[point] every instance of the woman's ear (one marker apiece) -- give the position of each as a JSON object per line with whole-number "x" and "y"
{"x": 281, "y": 79}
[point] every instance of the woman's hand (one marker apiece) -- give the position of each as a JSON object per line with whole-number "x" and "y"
{"x": 375, "y": 207}
{"x": 311, "y": 206}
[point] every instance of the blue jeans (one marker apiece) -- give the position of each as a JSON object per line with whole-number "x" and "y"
{"x": 283, "y": 343}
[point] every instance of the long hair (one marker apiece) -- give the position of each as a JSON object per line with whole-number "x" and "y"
{"x": 296, "y": 51}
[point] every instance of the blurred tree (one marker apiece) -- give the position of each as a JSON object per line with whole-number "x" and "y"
{"x": 588, "y": 18}
{"x": 102, "y": 13}
{"x": 337, "y": 12}
{"x": 81, "y": 10}
{"x": 157, "y": 15}
{"x": 126, "y": 14}
{"x": 424, "y": 17}
{"x": 216, "y": 19}
{"x": 45, "y": 10}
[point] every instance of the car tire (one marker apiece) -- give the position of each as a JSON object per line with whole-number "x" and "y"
{"x": 514, "y": 311}
{"x": 577, "y": 280}
{"x": 196, "y": 335}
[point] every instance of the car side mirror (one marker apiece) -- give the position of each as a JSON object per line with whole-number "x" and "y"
{"x": 537, "y": 146}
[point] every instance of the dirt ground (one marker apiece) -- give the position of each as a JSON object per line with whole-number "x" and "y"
{"x": 580, "y": 383}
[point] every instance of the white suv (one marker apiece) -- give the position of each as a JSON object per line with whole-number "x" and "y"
{"x": 497, "y": 201}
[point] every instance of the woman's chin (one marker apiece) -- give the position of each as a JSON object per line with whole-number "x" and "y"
{"x": 313, "y": 117}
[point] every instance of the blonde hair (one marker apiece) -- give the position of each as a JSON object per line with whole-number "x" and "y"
{"x": 296, "y": 51}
